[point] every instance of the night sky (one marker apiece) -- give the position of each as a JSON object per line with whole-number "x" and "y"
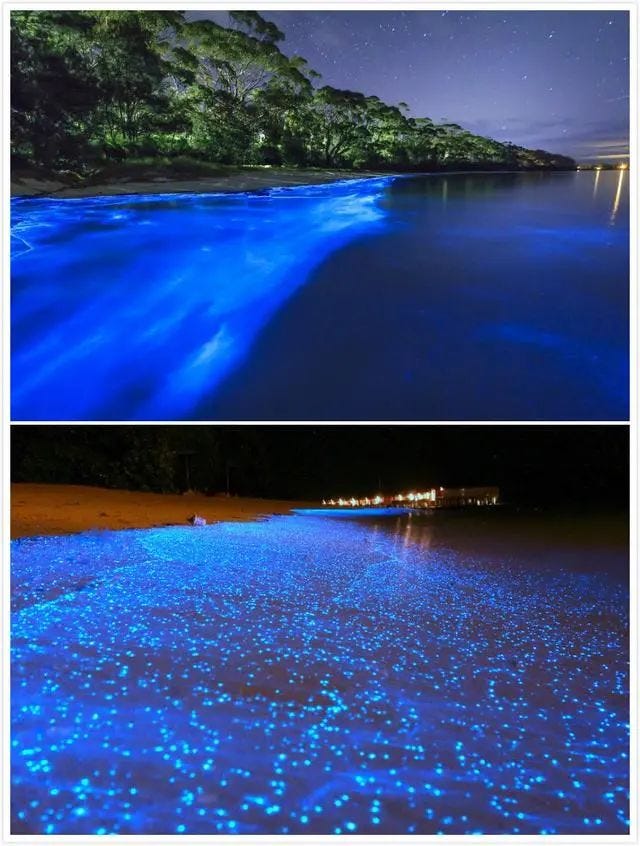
{"x": 552, "y": 80}
{"x": 532, "y": 465}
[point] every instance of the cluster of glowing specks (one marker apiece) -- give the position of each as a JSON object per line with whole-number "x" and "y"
{"x": 136, "y": 307}
{"x": 311, "y": 675}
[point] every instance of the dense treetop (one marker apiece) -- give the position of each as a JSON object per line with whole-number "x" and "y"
{"x": 93, "y": 86}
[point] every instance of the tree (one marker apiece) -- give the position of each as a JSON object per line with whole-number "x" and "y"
{"x": 91, "y": 85}
{"x": 337, "y": 124}
{"x": 235, "y": 67}
{"x": 128, "y": 61}
{"x": 52, "y": 85}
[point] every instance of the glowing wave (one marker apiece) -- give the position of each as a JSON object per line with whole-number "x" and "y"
{"x": 137, "y": 307}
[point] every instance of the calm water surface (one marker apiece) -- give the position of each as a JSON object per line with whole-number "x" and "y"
{"x": 483, "y": 296}
{"x": 310, "y": 674}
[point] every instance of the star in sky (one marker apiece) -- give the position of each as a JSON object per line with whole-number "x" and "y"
{"x": 558, "y": 80}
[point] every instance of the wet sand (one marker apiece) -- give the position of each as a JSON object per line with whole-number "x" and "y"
{"x": 316, "y": 676}
{"x": 65, "y": 509}
{"x": 251, "y": 179}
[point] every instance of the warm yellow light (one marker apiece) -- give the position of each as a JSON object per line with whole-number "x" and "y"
{"x": 616, "y": 199}
{"x": 623, "y": 166}
{"x": 595, "y": 182}
{"x": 431, "y": 495}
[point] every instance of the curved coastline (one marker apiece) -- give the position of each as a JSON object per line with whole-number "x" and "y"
{"x": 251, "y": 181}
{"x": 46, "y": 509}
{"x": 242, "y": 182}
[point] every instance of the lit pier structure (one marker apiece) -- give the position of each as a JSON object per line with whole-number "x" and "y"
{"x": 424, "y": 500}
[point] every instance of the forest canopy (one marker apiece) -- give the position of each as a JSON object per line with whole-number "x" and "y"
{"x": 90, "y": 88}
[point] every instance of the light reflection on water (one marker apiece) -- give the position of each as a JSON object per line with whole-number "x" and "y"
{"x": 616, "y": 200}
{"x": 595, "y": 183}
{"x": 484, "y": 297}
{"x": 414, "y": 298}
{"x": 312, "y": 675}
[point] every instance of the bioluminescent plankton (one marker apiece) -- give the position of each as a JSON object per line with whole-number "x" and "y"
{"x": 310, "y": 675}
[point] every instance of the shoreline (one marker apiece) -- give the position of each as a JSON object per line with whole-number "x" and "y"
{"x": 229, "y": 183}
{"x": 235, "y": 182}
{"x": 48, "y": 509}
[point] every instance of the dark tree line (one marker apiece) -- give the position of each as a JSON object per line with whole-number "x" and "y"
{"x": 91, "y": 87}
{"x": 567, "y": 465}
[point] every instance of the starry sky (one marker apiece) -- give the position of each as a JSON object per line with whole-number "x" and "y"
{"x": 557, "y": 80}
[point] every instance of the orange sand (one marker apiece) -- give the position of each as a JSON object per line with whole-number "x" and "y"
{"x": 64, "y": 509}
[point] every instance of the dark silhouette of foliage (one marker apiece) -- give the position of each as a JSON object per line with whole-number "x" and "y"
{"x": 531, "y": 464}
{"x": 92, "y": 86}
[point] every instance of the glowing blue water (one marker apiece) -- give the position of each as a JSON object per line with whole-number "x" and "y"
{"x": 136, "y": 307}
{"x": 485, "y": 296}
{"x": 312, "y": 675}
{"x": 352, "y": 513}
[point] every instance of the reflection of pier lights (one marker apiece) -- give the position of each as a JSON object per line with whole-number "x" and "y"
{"x": 616, "y": 200}
{"x": 595, "y": 181}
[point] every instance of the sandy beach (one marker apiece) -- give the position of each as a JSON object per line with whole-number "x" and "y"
{"x": 249, "y": 179}
{"x": 65, "y": 509}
